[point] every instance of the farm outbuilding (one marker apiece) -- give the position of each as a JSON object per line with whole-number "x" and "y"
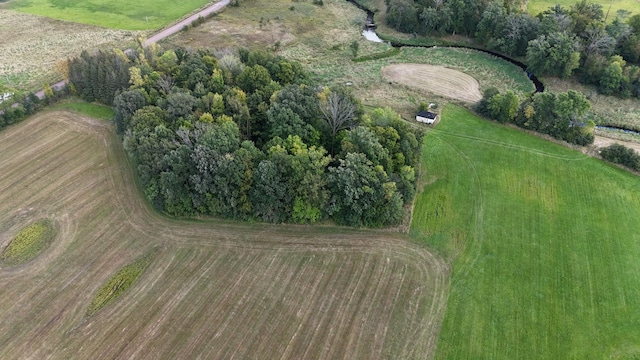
{"x": 426, "y": 117}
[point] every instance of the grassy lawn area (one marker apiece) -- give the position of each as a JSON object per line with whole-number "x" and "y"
{"x": 543, "y": 240}
{"x": 535, "y": 7}
{"x": 116, "y": 14}
{"x": 93, "y": 110}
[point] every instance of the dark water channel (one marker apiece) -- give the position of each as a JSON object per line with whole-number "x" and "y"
{"x": 616, "y": 128}
{"x": 370, "y": 26}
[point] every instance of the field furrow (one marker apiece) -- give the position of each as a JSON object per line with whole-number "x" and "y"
{"x": 214, "y": 289}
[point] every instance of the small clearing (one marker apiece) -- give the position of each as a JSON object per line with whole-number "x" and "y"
{"x": 435, "y": 79}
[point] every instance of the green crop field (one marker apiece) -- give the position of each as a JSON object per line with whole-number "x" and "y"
{"x": 116, "y": 14}
{"x": 535, "y": 7}
{"x": 544, "y": 244}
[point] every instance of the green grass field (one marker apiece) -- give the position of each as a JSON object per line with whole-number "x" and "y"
{"x": 535, "y": 7}
{"x": 93, "y": 110}
{"x": 543, "y": 240}
{"x": 116, "y": 14}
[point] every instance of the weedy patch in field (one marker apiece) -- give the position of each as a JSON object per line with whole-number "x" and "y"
{"x": 119, "y": 283}
{"x": 29, "y": 243}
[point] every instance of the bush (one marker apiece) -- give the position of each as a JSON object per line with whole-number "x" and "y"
{"x": 620, "y": 154}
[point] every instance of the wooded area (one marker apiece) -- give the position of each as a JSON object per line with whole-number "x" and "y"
{"x": 564, "y": 116}
{"x": 246, "y": 135}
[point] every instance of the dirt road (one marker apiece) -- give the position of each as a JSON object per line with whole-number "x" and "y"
{"x": 188, "y": 21}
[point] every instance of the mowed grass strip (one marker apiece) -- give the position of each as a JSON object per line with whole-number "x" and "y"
{"x": 28, "y": 243}
{"x": 116, "y": 14}
{"x": 118, "y": 284}
{"x": 544, "y": 244}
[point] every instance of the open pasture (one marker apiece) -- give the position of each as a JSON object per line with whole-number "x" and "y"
{"x": 544, "y": 243}
{"x": 534, "y": 7}
{"x": 115, "y": 14}
{"x": 213, "y": 289}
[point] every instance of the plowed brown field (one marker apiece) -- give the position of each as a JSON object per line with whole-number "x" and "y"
{"x": 215, "y": 290}
{"x": 438, "y": 80}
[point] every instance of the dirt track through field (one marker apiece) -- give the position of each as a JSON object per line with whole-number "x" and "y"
{"x": 214, "y": 290}
{"x": 435, "y": 79}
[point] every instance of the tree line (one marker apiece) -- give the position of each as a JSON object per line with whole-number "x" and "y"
{"x": 247, "y": 135}
{"x": 564, "y": 116}
{"x": 22, "y": 105}
{"x": 558, "y": 42}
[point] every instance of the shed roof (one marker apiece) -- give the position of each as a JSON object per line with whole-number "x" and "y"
{"x": 427, "y": 114}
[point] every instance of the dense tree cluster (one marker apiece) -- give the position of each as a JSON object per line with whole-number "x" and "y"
{"x": 557, "y": 42}
{"x": 620, "y": 154}
{"x": 246, "y": 135}
{"x": 99, "y": 76}
{"x": 564, "y": 116}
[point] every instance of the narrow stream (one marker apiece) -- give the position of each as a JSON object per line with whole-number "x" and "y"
{"x": 615, "y": 128}
{"x": 370, "y": 34}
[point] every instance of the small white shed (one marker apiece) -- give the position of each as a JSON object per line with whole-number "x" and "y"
{"x": 426, "y": 117}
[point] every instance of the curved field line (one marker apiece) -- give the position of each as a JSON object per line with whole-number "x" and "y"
{"x": 216, "y": 289}
{"x": 478, "y": 227}
{"x": 509, "y": 146}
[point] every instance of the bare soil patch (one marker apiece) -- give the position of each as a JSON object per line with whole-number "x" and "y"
{"x": 601, "y": 141}
{"x": 435, "y": 79}
{"x": 215, "y": 289}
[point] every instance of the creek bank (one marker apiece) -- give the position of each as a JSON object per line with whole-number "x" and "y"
{"x": 618, "y": 128}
